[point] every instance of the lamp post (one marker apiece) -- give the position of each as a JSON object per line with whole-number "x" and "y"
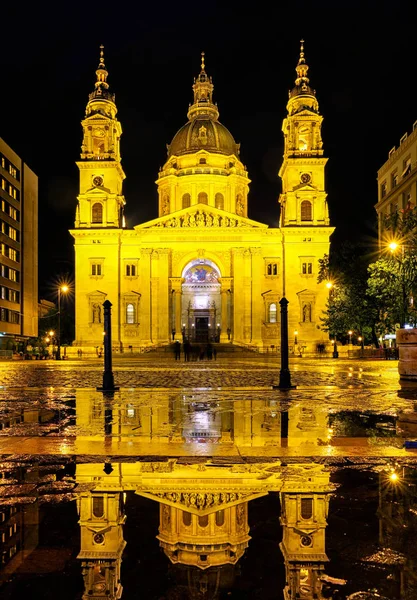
{"x": 64, "y": 289}
{"x": 350, "y": 337}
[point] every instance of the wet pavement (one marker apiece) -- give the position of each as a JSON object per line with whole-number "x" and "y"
{"x": 231, "y": 488}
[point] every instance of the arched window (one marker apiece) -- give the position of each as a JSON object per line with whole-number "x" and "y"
{"x": 219, "y": 201}
{"x": 97, "y": 213}
{"x": 186, "y": 518}
{"x": 186, "y": 201}
{"x": 203, "y": 521}
{"x": 202, "y": 198}
{"x": 220, "y": 518}
{"x": 306, "y": 508}
{"x": 306, "y": 212}
{"x": 130, "y": 313}
{"x": 98, "y": 507}
{"x": 272, "y": 313}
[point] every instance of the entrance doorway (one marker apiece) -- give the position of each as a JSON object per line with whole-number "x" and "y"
{"x": 201, "y": 329}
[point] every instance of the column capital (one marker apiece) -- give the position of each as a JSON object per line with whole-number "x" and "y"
{"x": 176, "y": 283}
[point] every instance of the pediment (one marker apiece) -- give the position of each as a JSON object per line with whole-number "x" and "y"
{"x": 306, "y": 187}
{"x": 201, "y": 216}
{"x": 198, "y": 501}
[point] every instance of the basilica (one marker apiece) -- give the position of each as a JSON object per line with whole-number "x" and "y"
{"x": 202, "y": 270}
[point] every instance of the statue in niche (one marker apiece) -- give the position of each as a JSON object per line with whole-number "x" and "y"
{"x": 216, "y": 221}
{"x": 96, "y": 313}
{"x": 186, "y": 221}
{"x": 307, "y": 312}
{"x": 165, "y": 205}
{"x": 209, "y": 220}
{"x": 192, "y": 220}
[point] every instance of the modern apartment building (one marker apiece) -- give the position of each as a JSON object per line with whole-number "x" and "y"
{"x": 397, "y": 180}
{"x": 19, "y": 250}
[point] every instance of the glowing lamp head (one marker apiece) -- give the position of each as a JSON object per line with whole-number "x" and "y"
{"x": 329, "y": 285}
{"x": 393, "y": 477}
{"x": 64, "y": 288}
{"x": 51, "y": 333}
{"x": 350, "y": 332}
{"x": 393, "y": 246}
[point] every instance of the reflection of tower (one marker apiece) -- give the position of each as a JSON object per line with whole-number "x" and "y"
{"x": 102, "y": 543}
{"x": 398, "y": 528}
{"x": 204, "y": 533}
{"x": 195, "y": 584}
{"x": 304, "y": 521}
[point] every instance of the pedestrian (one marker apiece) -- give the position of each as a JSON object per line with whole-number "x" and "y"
{"x": 187, "y": 348}
{"x": 177, "y": 350}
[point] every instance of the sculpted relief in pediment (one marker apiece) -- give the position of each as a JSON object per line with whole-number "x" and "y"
{"x": 202, "y": 218}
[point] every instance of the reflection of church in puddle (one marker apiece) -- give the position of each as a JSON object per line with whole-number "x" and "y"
{"x": 202, "y": 269}
{"x": 203, "y": 524}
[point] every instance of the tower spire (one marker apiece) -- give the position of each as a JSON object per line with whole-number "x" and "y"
{"x": 302, "y": 70}
{"x": 101, "y": 72}
{"x": 203, "y": 106}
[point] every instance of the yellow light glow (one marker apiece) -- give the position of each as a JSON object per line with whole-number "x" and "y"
{"x": 393, "y": 476}
{"x": 295, "y": 332}
{"x": 393, "y": 246}
{"x": 350, "y": 332}
{"x": 51, "y": 333}
{"x": 64, "y": 288}
{"x": 329, "y": 285}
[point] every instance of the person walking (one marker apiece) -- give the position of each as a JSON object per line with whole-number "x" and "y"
{"x": 177, "y": 350}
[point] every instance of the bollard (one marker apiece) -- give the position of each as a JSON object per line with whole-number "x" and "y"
{"x": 284, "y": 374}
{"x": 108, "y": 380}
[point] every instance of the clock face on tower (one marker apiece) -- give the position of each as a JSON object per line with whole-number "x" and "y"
{"x": 98, "y": 181}
{"x": 305, "y": 177}
{"x": 99, "y": 132}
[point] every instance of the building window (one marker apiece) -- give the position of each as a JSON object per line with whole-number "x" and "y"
{"x": 3, "y": 314}
{"x": 14, "y": 317}
{"x": 3, "y": 206}
{"x": 306, "y": 508}
{"x": 203, "y": 161}
{"x": 12, "y": 275}
{"x": 98, "y": 507}
{"x": 272, "y": 269}
{"x": 202, "y": 198}
{"x": 383, "y": 189}
{"x": 12, "y": 213}
{"x": 3, "y": 293}
{"x": 306, "y": 210}
{"x": 272, "y": 312}
{"x": 13, "y": 295}
{"x": 130, "y": 314}
{"x": 186, "y": 201}
{"x": 186, "y": 518}
{"x": 96, "y": 269}
{"x": 12, "y": 233}
{"x": 394, "y": 179}
{"x": 12, "y": 254}
{"x": 219, "y": 201}
{"x": 203, "y": 521}
{"x": 220, "y": 518}
{"x": 307, "y": 268}
{"x": 130, "y": 270}
{"x": 406, "y": 167}
{"x": 97, "y": 213}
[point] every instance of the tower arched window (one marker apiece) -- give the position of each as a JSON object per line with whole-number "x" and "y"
{"x": 186, "y": 518}
{"x": 130, "y": 313}
{"x": 202, "y": 198}
{"x": 203, "y": 521}
{"x": 220, "y": 518}
{"x": 97, "y": 213}
{"x": 98, "y": 507}
{"x": 306, "y": 508}
{"x": 186, "y": 201}
{"x": 219, "y": 201}
{"x": 272, "y": 312}
{"x": 306, "y": 211}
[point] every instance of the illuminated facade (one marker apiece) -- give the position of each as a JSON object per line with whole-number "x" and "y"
{"x": 202, "y": 269}
{"x": 397, "y": 180}
{"x": 19, "y": 249}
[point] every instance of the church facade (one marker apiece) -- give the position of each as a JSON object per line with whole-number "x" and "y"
{"x": 202, "y": 269}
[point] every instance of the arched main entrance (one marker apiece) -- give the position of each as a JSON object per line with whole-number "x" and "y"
{"x": 201, "y": 301}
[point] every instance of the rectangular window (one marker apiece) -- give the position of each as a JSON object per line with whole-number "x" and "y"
{"x": 272, "y": 269}
{"x": 3, "y": 206}
{"x": 307, "y": 268}
{"x": 12, "y": 233}
{"x": 96, "y": 269}
{"x": 3, "y": 293}
{"x": 394, "y": 179}
{"x": 12, "y": 212}
{"x": 3, "y": 184}
{"x": 406, "y": 167}
{"x": 383, "y": 189}
{"x": 3, "y": 249}
{"x": 13, "y": 316}
{"x": 12, "y": 275}
{"x": 130, "y": 270}
{"x": 12, "y": 171}
{"x": 3, "y": 314}
{"x": 13, "y": 296}
{"x": 12, "y": 254}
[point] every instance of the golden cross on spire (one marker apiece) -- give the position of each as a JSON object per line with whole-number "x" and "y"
{"x": 202, "y": 61}
{"x": 101, "y": 65}
{"x": 301, "y": 52}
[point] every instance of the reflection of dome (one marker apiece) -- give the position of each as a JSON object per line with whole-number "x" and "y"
{"x": 203, "y": 134}
{"x": 193, "y": 584}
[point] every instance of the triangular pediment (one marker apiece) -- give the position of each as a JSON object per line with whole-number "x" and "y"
{"x": 202, "y": 216}
{"x": 199, "y": 502}
{"x": 305, "y": 187}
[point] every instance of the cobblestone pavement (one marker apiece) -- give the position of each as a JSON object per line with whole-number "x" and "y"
{"x": 168, "y": 373}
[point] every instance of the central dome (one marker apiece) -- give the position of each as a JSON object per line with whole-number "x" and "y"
{"x": 203, "y": 134}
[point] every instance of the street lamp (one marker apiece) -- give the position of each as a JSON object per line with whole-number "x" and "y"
{"x": 350, "y": 337}
{"x": 64, "y": 289}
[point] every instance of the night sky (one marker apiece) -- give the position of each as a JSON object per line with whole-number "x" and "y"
{"x": 362, "y": 65}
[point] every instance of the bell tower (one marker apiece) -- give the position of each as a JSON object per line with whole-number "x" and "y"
{"x": 303, "y": 199}
{"x": 100, "y": 201}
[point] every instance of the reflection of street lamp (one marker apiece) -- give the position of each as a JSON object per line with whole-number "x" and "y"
{"x": 335, "y": 352}
{"x": 361, "y": 341}
{"x": 295, "y": 338}
{"x": 64, "y": 289}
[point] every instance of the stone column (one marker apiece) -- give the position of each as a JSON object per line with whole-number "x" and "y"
{"x": 154, "y": 318}
{"x": 257, "y": 309}
{"x": 247, "y": 296}
{"x": 176, "y": 311}
{"x": 238, "y": 295}
{"x": 162, "y": 315}
{"x": 226, "y": 285}
{"x": 145, "y": 304}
